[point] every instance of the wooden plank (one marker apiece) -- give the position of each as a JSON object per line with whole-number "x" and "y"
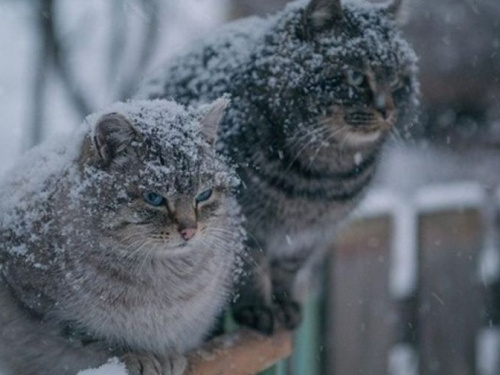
{"x": 450, "y": 297}
{"x": 360, "y": 304}
{"x": 240, "y": 353}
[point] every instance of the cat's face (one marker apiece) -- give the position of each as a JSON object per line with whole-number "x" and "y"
{"x": 159, "y": 185}
{"x": 352, "y": 74}
{"x": 369, "y": 70}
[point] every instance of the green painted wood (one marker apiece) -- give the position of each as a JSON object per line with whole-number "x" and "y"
{"x": 306, "y": 358}
{"x": 229, "y": 324}
{"x": 270, "y": 371}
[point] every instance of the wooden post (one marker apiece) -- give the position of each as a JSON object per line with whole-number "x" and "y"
{"x": 450, "y": 241}
{"x": 403, "y": 284}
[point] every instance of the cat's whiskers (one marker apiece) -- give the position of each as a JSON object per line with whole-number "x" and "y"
{"x": 244, "y": 256}
{"x": 217, "y": 232}
{"x": 147, "y": 256}
{"x": 323, "y": 126}
{"x": 223, "y": 230}
{"x": 304, "y": 147}
{"x": 315, "y": 128}
{"x": 329, "y": 138}
{"x": 395, "y": 133}
{"x": 131, "y": 259}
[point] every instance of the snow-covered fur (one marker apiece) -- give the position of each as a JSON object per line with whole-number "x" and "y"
{"x": 120, "y": 240}
{"x": 316, "y": 91}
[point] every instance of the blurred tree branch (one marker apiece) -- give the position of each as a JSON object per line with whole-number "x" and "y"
{"x": 53, "y": 56}
{"x": 41, "y": 64}
{"x": 59, "y": 57}
{"x": 152, "y": 12}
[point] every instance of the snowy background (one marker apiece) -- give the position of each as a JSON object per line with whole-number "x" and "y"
{"x": 86, "y": 30}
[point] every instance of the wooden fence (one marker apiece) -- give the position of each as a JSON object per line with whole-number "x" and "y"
{"x": 412, "y": 287}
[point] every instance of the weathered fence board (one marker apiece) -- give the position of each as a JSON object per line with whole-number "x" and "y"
{"x": 450, "y": 298}
{"x": 360, "y": 301}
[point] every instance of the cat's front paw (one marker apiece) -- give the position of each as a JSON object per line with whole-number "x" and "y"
{"x": 142, "y": 364}
{"x": 267, "y": 319}
{"x": 175, "y": 365}
{"x": 258, "y": 317}
{"x": 288, "y": 313}
{"x": 148, "y": 364}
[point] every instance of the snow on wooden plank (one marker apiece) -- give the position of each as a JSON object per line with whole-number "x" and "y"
{"x": 488, "y": 352}
{"x": 489, "y": 264}
{"x": 376, "y": 203}
{"x": 403, "y": 277}
{"x": 403, "y": 360}
{"x": 449, "y": 196}
{"x": 404, "y": 253}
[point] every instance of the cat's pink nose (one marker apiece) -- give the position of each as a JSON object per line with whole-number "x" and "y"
{"x": 187, "y": 233}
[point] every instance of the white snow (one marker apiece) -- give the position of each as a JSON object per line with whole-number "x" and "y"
{"x": 113, "y": 367}
{"x": 378, "y": 202}
{"x": 403, "y": 360}
{"x": 488, "y": 352}
{"x": 441, "y": 197}
{"x": 403, "y": 274}
{"x": 489, "y": 260}
{"x": 489, "y": 264}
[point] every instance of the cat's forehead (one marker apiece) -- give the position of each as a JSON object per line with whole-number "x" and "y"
{"x": 177, "y": 174}
{"x": 168, "y": 130}
{"x": 367, "y": 37}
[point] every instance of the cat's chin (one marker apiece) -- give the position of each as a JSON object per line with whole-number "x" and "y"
{"x": 180, "y": 249}
{"x": 358, "y": 139}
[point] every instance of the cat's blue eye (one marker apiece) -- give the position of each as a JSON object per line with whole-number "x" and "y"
{"x": 355, "y": 78}
{"x": 203, "y": 196}
{"x": 153, "y": 199}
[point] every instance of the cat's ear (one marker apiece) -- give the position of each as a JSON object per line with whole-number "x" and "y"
{"x": 395, "y": 10}
{"x": 323, "y": 14}
{"x": 112, "y": 135}
{"x": 211, "y": 119}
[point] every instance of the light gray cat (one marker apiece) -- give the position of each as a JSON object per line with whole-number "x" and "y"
{"x": 121, "y": 240}
{"x": 317, "y": 90}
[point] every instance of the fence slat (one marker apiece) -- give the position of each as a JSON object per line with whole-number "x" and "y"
{"x": 450, "y": 242}
{"x": 362, "y": 319}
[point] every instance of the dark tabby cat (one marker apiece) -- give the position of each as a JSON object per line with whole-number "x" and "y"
{"x": 120, "y": 241}
{"x": 316, "y": 91}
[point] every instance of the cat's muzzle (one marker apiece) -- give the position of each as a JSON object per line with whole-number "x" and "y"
{"x": 367, "y": 121}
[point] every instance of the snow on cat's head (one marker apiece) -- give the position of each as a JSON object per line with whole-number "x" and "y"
{"x": 349, "y": 71}
{"x": 152, "y": 181}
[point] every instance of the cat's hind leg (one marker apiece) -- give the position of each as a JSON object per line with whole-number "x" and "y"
{"x": 252, "y": 303}
{"x": 267, "y": 299}
{"x": 30, "y": 346}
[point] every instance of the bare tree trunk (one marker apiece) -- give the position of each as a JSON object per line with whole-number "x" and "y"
{"x": 152, "y": 9}
{"x": 60, "y": 60}
{"x": 41, "y": 68}
{"x": 117, "y": 41}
